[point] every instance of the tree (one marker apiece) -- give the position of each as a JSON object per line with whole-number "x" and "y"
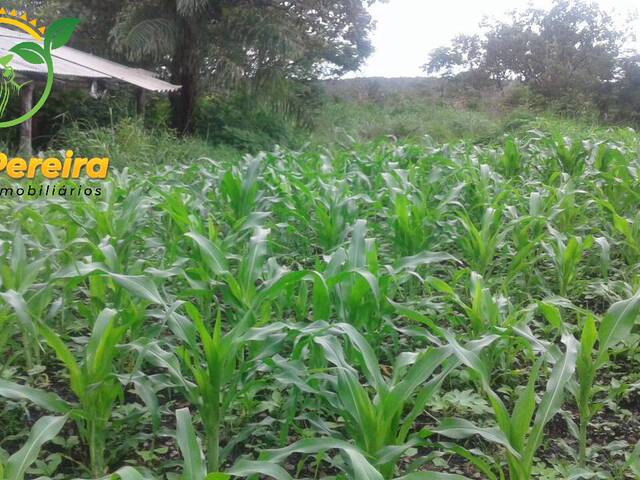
{"x": 208, "y": 44}
{"x": 625, "y": 93}
{"x": 464, "y": 54}
{"x": 224, "y": 42}
{"x": 568, "y": 50}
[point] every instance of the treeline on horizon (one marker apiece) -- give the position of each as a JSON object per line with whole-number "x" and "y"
{"x": 573, "y": 57}
{"x": 250, "y": 69}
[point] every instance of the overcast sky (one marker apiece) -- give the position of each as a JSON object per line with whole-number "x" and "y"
{"x": 408, "y": 29}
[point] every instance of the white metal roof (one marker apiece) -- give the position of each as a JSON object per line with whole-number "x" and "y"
{"x": 71, "y": 63}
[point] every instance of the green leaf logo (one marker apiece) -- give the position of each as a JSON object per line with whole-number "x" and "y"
{"x": 60, "y": 32}
{"x": 57, "y": 35}
{"x": 30, "y": 52}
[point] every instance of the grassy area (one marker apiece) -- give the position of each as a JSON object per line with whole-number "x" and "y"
{"x": 409, "y": 110}
{"x": 130, "y": 145}
{"x": 348, "y": 121}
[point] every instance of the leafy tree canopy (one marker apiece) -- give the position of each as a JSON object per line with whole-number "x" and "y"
{"x": 570, "y": 49}
{"x": 208, "y": 44}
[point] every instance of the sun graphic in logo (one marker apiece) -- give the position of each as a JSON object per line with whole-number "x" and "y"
{"x": 37, "y": 52}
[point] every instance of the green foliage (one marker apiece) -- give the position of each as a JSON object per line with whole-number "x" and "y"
{"x": 566, "y": 54}
{"x": 384, "y": 311}
{"x": 243, "y": 122}
{"x": 346, "y": 122}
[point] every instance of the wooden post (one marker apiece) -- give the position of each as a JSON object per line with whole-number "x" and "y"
{"x": 140, "y": 103}
{"x": 26, "y": 128}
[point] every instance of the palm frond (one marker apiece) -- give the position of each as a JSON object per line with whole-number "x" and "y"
{"x": 191, "y": 7}
{"x": 152, "y": 38}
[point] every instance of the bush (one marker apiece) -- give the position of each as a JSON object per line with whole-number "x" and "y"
{"x": 129, "y": 144}
{"x": 242, "y": 121}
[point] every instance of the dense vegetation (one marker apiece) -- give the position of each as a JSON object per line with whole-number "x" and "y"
{"x": 379, "y": 311}
{"x": 367, "y": 279}
{"x": 572, "y": 56}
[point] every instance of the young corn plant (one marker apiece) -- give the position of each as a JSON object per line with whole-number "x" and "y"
{"x": 510, "y": 161}
{"x": 566, "y": 255}
{"x": 353, "y": 279}
{"x": 92, "y": 380}
{"x": 629, "y": 230}
{"x": 216, "y": 362}
{"x": 480, "y": 244}
{"x": 379, "y": 410}
{"x": 241, "y": 189}
{"x": 522, "y": 430}
{"x": 614, "y": 329}
{"x": 333, "y": 211}
{"x": 20, "y": 296}
{"x": 570, "y": 155}
{"x": 484, "y": 310}
{"x": 415, "y": 210}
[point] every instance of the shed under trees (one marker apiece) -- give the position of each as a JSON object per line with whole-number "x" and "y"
{"x": 73, "y": 69}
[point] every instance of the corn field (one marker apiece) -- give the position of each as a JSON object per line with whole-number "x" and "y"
{"x": 387, "y": 311}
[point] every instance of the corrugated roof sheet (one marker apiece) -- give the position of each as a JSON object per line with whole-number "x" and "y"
{"x": 72, "y": 63}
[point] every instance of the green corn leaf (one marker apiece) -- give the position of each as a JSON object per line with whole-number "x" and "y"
{"x": 187, "y": 440}
{"x": 78, "y": 383}
{"x": 474, "y": 458}
{"x": 524, "y": 409}
{"x": 98, "y": 344}
{"x": 417, "y": 317}
{"x": 588, "y": 340}
{"x": 253, "y": 263}
{"x": 283, "y": 284}
{"x": 633, "y": 462}
{"x": 245, "y": 468}
{"x": 46, "y": 400}
{"x": 552, "y": 314}
{"x": 424, "y": 367}
{"x": 366, "y": 275}
{"x": 212, "y": 255}
{"x": 205, "y": 338}
{"x": 127, "y": 473}
{"x": 553, "y": 397}
{"x": 139, "y": 286}
{"x": 617, "y": 324}
{"x": 472, "y": 360}
{"x": 370, "y": 360}
{"x": 217, "y": 476}
{"x": 16, "y": 301}
{"x": 144, "y": 389}
{"x": 163, "y": 359}
{"x": 469, "y": 358}
{"x": 362, "y": 469}
{"x": 424, "y": 258}
{"x": 321, "y": 298}
{"x": 44, "y": 430}
{"x": 432, "y": 476}
{"x": 79, "y": 269}
{"x": 459, "y": 428}
{"x": 357, "y": 248}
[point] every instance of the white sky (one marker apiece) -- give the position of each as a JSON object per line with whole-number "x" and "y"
{"x": 407, "y": 30}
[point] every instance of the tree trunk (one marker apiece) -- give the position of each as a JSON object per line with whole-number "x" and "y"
{"x": 26, "y": 129}
{"x": 184, "y": 72}
{"x": 140, "y": 103}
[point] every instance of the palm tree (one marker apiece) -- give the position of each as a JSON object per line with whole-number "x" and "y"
{"x": 221, "y": 43}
